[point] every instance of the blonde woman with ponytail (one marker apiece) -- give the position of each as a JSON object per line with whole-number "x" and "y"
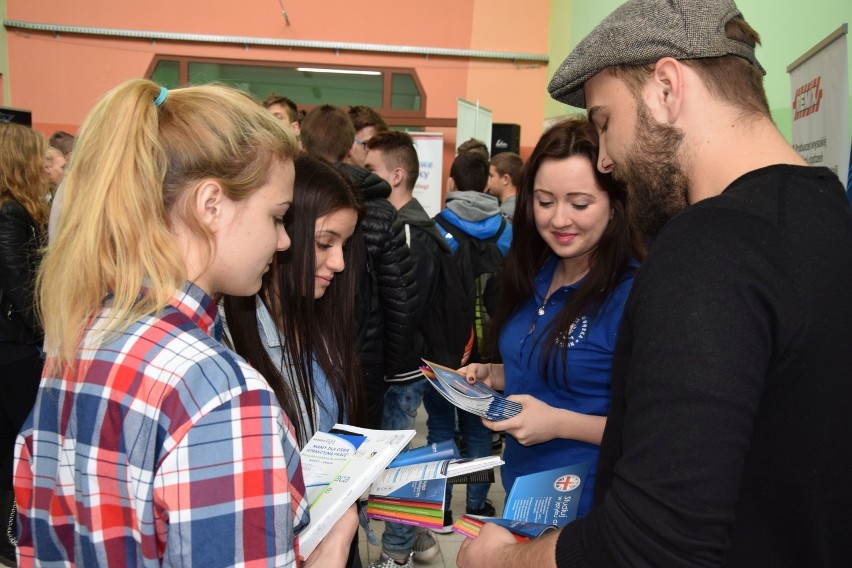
{"x": 150, "y": 443}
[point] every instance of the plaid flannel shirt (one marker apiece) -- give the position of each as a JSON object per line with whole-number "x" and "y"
{"x": 166, "y": 448}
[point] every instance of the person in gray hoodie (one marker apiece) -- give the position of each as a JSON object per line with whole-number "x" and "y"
{"x": 470, "y": 214}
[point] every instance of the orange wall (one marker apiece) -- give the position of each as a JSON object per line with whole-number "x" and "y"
{"x": 514, "y": 94}
{"x": 60, "y": 77}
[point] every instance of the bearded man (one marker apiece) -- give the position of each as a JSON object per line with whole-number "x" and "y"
{"x": 728, "y": 439}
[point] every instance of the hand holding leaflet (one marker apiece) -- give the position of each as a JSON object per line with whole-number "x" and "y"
{"x": 338, "y": 467}
{"x": 476, "y": 398}
{"x": 536, "y": 503}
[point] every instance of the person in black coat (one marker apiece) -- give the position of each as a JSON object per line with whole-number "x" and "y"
{"x": 23, "y": 216}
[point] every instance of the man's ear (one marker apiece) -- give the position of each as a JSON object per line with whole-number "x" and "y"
{"x": 397, "y": 177}
{"x": 209, "y": 202}
{"x": 506, "y": 179}
{"x": 667, "y": 89}
{"x": 451, "y": 185}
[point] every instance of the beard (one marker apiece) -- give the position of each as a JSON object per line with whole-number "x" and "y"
{"x": 657, "y": 185}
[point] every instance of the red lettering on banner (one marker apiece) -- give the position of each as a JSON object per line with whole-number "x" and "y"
{"x": 806, "y": 100}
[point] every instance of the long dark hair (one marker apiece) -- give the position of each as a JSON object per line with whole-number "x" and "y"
{"x": 608, "y": 263}
{"x": 321, "y": 330}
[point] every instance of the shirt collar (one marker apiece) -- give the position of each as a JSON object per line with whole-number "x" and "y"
{"x": 545, "y": 277}
{"x": 195, "y": 304}
{"x": 267, "y": 326}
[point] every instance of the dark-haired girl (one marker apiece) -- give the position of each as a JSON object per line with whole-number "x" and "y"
{"x": 299, "y": 330}
{"x": 566, "y": 279}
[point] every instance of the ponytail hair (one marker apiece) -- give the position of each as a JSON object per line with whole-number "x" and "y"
{"x": 136, "y": 166}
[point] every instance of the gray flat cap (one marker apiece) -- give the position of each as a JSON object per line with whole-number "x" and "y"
{"x": 643, "y": 31}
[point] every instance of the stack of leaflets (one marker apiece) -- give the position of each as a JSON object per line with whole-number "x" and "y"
{"x": 414, "y": 493}
{"x": 477, "y": 398}
{"x": 338, "y": 467}
{"x": 536, "y": 503}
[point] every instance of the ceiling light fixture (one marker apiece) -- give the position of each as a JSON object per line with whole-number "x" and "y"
{"x": 339, "y": 71}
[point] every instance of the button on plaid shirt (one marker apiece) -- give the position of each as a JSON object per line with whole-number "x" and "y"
{"x": 166, "y": 448}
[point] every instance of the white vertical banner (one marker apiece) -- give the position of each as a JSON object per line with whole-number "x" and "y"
{"x": 472, "y": 121}
{"x": 820, "y": 89}
{"x": 430, "y": 154}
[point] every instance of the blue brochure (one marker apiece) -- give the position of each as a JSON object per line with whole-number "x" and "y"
{"x": 549, "y": 497}
{"x": 430, "y": 452}
{"x": 475, "y": 398}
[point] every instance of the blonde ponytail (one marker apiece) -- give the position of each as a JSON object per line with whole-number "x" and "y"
{"x": 133, "y": 161}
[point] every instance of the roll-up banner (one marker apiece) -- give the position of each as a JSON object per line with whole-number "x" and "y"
{"x": 430, "y": 154}
{"x": 820, "y": 89}
{"x": 472, "y": 121}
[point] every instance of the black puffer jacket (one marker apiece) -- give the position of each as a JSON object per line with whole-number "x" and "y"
{"x": 20, "y": 242}
{"x": 426, "y": 245}
{"x": 388, "y": 291}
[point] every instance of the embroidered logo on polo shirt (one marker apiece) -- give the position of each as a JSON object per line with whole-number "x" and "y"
{"x": 575, "y": 334}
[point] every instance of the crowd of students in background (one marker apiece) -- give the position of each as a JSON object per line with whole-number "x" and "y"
{"x": 224, "y": 278}
{"x": 342, "y": 318}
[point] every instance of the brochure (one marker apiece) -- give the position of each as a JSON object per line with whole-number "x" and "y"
{"x": 483, "y": 476}
{"x": 415, "y": 494}
{"x": 477, "y": 398}
{"x": 430, "y": 452}
{"x": 548, "y": 497}
{"x": 338, "y": 467}
{"x": 536, "y": 503}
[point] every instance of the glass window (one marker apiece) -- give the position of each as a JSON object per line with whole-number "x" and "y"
{"x": 404, "y": 92}
{"x": 304, "y": 87}
{"x": 167, "y": 74}
{"x": 308, "y": 86}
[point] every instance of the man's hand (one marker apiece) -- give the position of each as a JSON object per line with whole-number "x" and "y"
{"x": 495, "y": 547}
{"x": 487, "y": 550}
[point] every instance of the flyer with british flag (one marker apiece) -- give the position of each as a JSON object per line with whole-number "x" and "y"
{"x": 549, "y": 497}
{"x": 536, "y": 503}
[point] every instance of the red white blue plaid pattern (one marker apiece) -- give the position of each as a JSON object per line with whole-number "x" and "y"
{"x": 165, "y": 448}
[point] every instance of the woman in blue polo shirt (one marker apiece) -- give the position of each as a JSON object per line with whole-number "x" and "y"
{"x": 566, "y": 279}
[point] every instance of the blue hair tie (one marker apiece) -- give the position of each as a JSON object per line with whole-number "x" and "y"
{"x": 164, "y": 92}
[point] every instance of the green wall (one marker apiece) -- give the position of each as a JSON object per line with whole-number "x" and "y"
{"x": 788, "y": 29}
{"x": 575, "y": 19}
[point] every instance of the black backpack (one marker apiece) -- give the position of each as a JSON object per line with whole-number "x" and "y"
{"x": 480, "y": 262}
{"x": 445, "y": 323}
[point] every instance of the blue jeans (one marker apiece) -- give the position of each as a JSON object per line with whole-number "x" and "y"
{"x": 401, "y": 404}
{"x": 441, "y": 423}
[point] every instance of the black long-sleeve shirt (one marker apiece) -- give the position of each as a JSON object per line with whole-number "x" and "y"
{"x": 728, "y": 441}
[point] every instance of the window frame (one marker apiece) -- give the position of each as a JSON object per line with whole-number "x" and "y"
{"x": 393, "y": 116}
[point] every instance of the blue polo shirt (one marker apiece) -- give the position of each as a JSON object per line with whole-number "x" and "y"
{"x": 591, "y": 342}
